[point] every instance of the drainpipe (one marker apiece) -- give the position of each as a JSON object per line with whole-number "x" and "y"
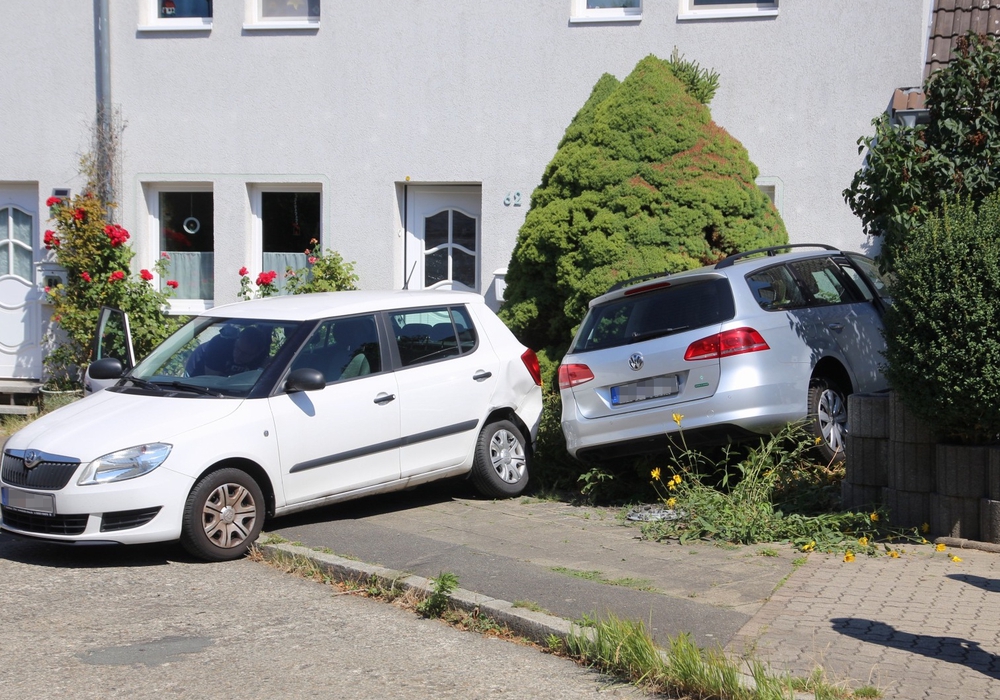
{"x": 103, "y": 147}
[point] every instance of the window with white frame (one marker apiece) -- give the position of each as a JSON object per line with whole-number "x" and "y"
{"x": 605, "y": 10}
{"x": 175, "y": 15}
{"x": 287, "y": 222}
{"x": 282, "y": 14}
{"x": 183, "y": 222}
{"x": 721, "y": 9}
{"x": 16, "y": 257}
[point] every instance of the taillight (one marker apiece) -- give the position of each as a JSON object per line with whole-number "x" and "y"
{"x": 530, "y": 360}
{"x": 572, "y": 375}
{"x": 734, "y": 342}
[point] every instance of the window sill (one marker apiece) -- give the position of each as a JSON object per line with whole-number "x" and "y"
{"x": 188, "y": 307}
{"x": 583, "y": 19}
{"x": 726, "y": 14}
{"x": 265, "y": 26}
{"x": 179, "y": 26}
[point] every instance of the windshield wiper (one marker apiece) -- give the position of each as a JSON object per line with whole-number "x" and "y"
{"x": 193, "y": 388}
{"x": 636, "y": 337}
{"x": 145, "y": 384}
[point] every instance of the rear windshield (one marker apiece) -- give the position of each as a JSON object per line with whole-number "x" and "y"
{"x": 656, "y": 314}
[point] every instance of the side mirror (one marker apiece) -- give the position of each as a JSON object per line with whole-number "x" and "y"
{"x": 304, "y": 379}
{"x": 106, "y": 368}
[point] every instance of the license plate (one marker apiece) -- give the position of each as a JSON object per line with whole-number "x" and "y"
{"x": 652, "y": 388}
{"x": 43, "y": 503}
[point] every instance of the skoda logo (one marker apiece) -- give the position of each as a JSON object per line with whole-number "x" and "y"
{"x": 31, "y": 459}
{"x": 635, "y": 361}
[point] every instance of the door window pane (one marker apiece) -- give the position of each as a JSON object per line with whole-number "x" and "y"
{"x": 187, "y": 235}
{"x": 450, "y": 248}
{"x": 464, "y": 268}
{"x": 342, "y": 348}
{"x": 436, "y": 230}
{"x": 464, "y": 233}
{"x": 436, "y": 267}
{"x": 22, "y": 226}
{"x": 16, "y": 256}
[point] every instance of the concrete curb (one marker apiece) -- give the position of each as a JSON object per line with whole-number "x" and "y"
{"x": 536, "y": 626}
{"x": 960, "y": 543}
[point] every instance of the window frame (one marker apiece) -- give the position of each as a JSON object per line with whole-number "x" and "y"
{"x": 734, "y": 9}
{"x": 452, "y": 309}
{"x": 153, "y": 190}
{"x": 255, "y": 21}
{"x": 256, "y": 192}
{"x": 150, "y": 20}
{"x": 580, "y": 13}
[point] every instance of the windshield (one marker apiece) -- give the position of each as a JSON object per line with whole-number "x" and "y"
{"x": 221, "y": 357}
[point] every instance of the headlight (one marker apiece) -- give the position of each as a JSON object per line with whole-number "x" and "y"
{"x": 125, "y": 464}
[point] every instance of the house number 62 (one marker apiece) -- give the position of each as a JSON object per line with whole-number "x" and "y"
{"x": 512, "y": 198}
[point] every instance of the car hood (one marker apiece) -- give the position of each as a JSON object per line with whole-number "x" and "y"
{"x": 109, "y": 421}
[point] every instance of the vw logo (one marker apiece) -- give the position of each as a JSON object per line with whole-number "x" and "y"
{"x": 635, "y": 361}
{"x": 32, "y": 459}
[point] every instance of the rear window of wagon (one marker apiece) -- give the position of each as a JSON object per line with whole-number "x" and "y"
{"x": 656, "y": 314}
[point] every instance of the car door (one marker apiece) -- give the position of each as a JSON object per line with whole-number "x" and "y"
{"x": 112, "y": 338}
{"x": 345, "y": 436}
{"x": 844, "y": 318}
{"x": 446, "y": 378}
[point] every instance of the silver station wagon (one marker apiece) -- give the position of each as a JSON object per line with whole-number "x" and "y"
{"x": 726, "y": 352}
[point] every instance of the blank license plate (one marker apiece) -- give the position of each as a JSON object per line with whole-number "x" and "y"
{"x": 44, "y": 503}
{"x": 651, "y": 388}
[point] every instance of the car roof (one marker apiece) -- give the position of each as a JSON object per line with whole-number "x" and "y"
{"x": 305, "y": 307}
{"x": 747, "y": 262}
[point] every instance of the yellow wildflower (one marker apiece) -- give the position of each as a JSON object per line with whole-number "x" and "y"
{"x": 874, "y": 517}
{"x": 956, "y": 559}
{"x": 671, "y": 485}
{"x": 655, "y": 474}
{"x": 671, "y": 502}
{"x": 894, "y": 554}
{"x": 925, "y": 528}
{"x": 678, "y": 418}
{"x": 677, "y": 479}
{"x": 939, "y": 547}
{"x": 818, "y": 440}
{"x": 923, "y": 541}
{"x": 849, "y": 556}
{"x": 863, "y": 541}
{"x": 809, "y": 547}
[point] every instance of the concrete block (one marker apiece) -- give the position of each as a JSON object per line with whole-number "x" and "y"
{"x": 869, "y": 415}
{"x": 989, "y": 520}
{"x": 911, "y": 466}
{"x": 907, "y": 508}
{"x": 867, "y": 462}
{"x": 953, "y": 516}
{"x": 962, "y": 470}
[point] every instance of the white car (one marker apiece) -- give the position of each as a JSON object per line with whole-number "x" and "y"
{"x": 272, "y": 406}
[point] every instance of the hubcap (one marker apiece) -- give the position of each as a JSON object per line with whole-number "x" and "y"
{"x": 832, "y": 415}
{"x": 507, "y": 456}
{"x": 229, "y": 515}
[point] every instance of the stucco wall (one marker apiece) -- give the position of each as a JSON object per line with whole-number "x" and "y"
{"x": 462, "y": 92}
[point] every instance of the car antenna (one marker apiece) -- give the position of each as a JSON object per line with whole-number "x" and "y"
{"x": 406, "y": 283}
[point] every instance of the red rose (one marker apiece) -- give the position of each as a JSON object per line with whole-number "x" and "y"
{"x": 79, "y": 214}
{"x": 165, "y": 256}
{"x": 50, "y": 240}
{"x": 312, "y": 261}
{"x": 52, "y": 201}
{"x": 117, "y": 234}
{"x": 265, "y": 278}
{"x": 116, "y": 275}
{"x": 172, "y": 284}
{"x": 146, "y": 275}
{"x": 243, "y": 271}
{"x": 86, "y": 277}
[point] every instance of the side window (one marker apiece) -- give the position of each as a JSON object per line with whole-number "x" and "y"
{"x": 775, "y": 289}
{"x": 871, "y": 271}
{"x": 823, "y": 281}
{"x": 427, "y": 335}
{"x": 342, "y": 348}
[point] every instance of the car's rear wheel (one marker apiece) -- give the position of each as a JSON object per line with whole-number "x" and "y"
{"x": 500, "y": 469}
{"x": 223, "y": 515}
{"x": 828, "y": 417}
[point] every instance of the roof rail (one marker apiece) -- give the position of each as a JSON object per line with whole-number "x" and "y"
{"x": 771, "y": 251}
{"x": 636, "y": 280}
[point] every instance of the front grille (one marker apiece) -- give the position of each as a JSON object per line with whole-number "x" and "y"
{"x": 126, "y": 519}
{"x": 51, "y": 475}
{"x": 44, "y": 524}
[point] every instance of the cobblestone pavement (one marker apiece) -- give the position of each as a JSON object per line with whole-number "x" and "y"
{"x": 920, "y": 626}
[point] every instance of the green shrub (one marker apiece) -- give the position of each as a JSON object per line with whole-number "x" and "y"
{"x": 942, "y": 346}
{"x": 327, "y": 272}
{"x": 910, "y": 171}
{"x": 97, "y": 260}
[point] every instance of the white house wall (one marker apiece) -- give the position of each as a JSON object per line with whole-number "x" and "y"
{"x": 385, "y": 94}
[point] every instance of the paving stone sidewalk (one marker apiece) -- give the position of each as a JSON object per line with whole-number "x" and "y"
{"x": 921, "y": 626}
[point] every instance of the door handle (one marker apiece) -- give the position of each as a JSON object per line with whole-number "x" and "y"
{"x": 836, "y": 327}
{"x": 482, "y": 375}
{"x": 384, "y": 398}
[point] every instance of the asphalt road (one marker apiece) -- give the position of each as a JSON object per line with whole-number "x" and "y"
{"x": 149, "y": 622}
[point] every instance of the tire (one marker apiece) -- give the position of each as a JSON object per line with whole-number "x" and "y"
{"x": 223, "y": 515}
{"x": 828, "y": 418}
{"x": 500, "y": 467}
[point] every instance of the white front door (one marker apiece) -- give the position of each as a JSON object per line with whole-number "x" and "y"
{"x": 443, "y": 229}
{"x": 20, "y": 333}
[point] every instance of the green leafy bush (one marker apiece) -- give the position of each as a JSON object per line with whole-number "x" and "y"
{"x": 910, "y": 171}
{"x": 942, "y": 346}
{"x": 97, "y": 260}
{"x": 327, "y": 272}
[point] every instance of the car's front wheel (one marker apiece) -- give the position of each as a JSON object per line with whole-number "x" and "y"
{"x": 828, "y": 418}
{"x": 500, "y": 469}
{"x": 223, "y": 515}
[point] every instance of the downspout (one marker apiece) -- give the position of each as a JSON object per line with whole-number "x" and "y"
{"x": 103, "y": 155}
